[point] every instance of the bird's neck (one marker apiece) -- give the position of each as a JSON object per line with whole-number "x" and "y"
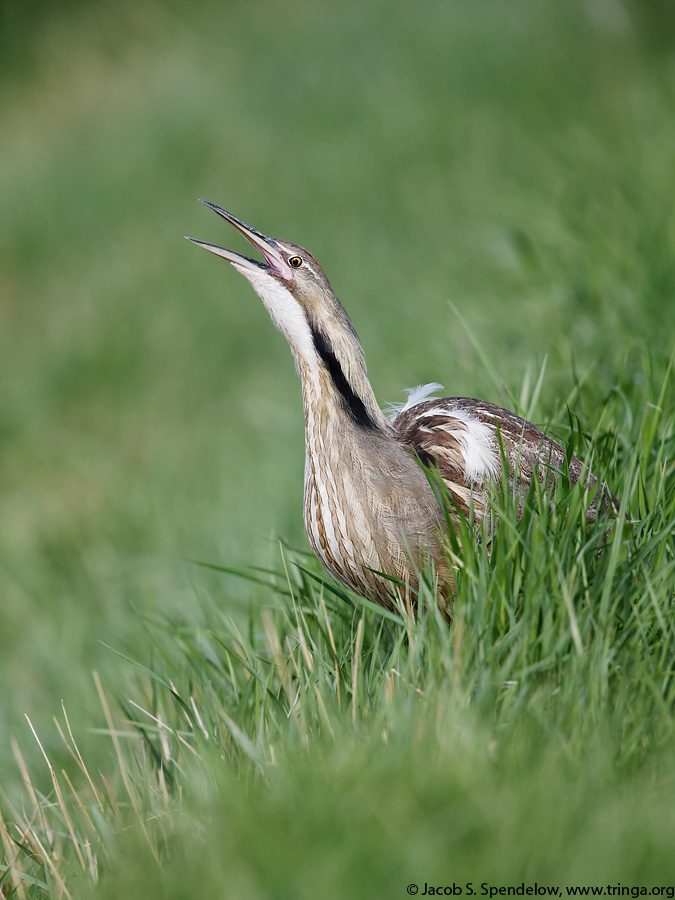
{"x": 343, "y": 390}
{"x": 327, "y": 351}
{"x": 340, "y": 394}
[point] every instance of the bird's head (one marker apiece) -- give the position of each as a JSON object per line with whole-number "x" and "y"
{"x": 285, "y": 264}
{"x": 302, "y": 304}
{"x": 290, "y": 282}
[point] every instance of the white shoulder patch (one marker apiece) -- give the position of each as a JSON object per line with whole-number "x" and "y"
{"x": 481, "y": 453}
{"x": 479, "y": 447}
{"x": 415, "y": 395}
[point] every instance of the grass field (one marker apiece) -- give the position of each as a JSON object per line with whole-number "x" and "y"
{"x": 489, "y": 188}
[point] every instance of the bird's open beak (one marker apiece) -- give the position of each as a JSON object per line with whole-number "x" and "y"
{"x": 274, "y": 260}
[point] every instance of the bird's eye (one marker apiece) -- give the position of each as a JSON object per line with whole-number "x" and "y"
{"x": 295, "y": 261}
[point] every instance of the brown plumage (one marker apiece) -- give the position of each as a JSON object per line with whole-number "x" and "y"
{"x": 369, "y": 507}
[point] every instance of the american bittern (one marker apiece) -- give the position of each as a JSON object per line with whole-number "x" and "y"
{"x": 369, "y": 506}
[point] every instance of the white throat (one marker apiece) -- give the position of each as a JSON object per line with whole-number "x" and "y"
{"x": 286, "y": 313}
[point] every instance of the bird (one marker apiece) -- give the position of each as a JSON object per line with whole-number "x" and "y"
{"x": 372, "y": 509}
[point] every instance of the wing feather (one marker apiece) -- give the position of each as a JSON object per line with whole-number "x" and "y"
{"x": 467, "y": 440}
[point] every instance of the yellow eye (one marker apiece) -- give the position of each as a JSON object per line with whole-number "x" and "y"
{"x": 295, "y": 261}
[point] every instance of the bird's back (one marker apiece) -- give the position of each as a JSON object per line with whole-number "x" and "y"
{"x": 470, "y": 441}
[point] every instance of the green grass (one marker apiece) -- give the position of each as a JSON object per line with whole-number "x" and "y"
{"x": 320, "y": 740}
{"x": 502, "y": 171}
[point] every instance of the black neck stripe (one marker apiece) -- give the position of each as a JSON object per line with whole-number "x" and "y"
{"x": 352, "y": 404}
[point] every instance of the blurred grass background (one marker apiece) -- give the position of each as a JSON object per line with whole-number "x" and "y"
{"x": 513, "y": 158}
